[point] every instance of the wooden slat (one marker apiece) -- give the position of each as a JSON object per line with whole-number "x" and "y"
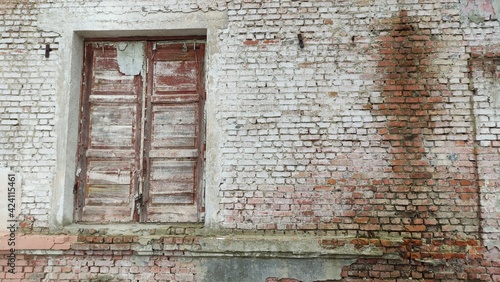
{"x": 112, "y": 98}
{"x": 116, "y": 194}
{"x": 172, "y": 181}
{"x": 112, "y": 125}
{"x": 111, "y": 82}
{"x": 170, "y": 199}
{"x": 175, "y": 98}
{"x": 174, "y": 153}
{"x": 174, "y": 52}
{"x": 104, "y": 50}
{"x": 103, "y": 214}
{"x": 109, "y": 172}
{"x": 173, "y": 172}
{"x": 174, "y": 125}
{"x": 174, "y": 76}
{"x": 105, "y": 63}
{"x": 108, "y": 184}
{"x": 173, "y": 213}
{"x": 128, "y": 154}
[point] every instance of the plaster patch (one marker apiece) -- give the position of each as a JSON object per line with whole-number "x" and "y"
{"x": 139, "y": 260}
{"x": 496, "y": 8}
{"x": 130, "y": 57}
{"x": 492, "y": 89}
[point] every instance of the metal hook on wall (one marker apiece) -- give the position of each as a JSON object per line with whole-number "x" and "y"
{"x": 301, "y": 40}
{"x": 47, "y": 50}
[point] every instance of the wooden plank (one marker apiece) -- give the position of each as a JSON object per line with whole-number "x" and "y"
{"x": 113, "y": 85}
{"x": 105, "y": 63}
{"x": 172, "y": 181}
{"x": 172, "y": 199}
{"x": 104, "y": 214}
{"x": 176, "y": 176}
{"x": 174, "y": 52}
{"x": 173, "y": 153}
{"x": 173, "y": 170}
{"x": 161, "y": 187}
{"x": 175, "y": 76}
{"x": 109, "y": 179}
{"x": 113, "y": 98}
{"x": 119, "y": 194}
{"x": 112, "y": 125}
{"x": 175, "y": 98}
{"x": 127, "y": 153}
{"x": 104, "y": 50}
{"x": 106, "y": 77}
{"x": 109, "y": 172}
{"x": 173, "y": 213}
{"x": 174, "y": 125}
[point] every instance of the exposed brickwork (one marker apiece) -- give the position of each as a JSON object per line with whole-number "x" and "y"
{"x": 128, "y": 258}
{"x": 104, "y": 268}
{"x": 27, "y": 105}
{"x": 485, "y": 73}
{"x": 381, "y": 135}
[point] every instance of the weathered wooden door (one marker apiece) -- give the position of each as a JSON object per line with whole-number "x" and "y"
{"x": 141, "y": 144}
{"x": 174, "y": 149}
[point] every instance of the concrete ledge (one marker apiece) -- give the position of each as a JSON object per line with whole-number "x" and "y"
{"x": 198, "y": 245}
{"x": 295, "y": 247}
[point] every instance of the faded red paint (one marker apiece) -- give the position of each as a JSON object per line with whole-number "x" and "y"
{"x": 174, "y": 149}
{"x": 484, "y": 7}
{"x": 109, "y": 142}
{"x": 111, "y": 129}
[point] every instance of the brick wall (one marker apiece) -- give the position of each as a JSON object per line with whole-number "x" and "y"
{"x": 484, "y": 79}
{"x": 27, "y": 105}
{"x": 379, "y": 138}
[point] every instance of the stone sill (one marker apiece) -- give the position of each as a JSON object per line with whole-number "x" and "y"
{"x": 137, "y": 229}
{"x": 213, "y": 245}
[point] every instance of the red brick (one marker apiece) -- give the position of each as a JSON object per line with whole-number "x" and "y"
{"x": 415, "y": 228}
{"x": 251, "y": 42}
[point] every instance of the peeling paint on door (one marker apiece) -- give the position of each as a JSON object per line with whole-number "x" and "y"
{"x": 130, "y": 57}
{"x": 124, "y": 127}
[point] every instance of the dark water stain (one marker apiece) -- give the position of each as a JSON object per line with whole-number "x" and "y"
{"x": 405, "y": 81}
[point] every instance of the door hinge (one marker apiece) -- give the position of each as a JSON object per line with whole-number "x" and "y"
{"x": 138, "y": 199}
{"x": 137, "y": 208}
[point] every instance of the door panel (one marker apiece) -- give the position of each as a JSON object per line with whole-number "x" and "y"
{"x": 141, "y": 146}
{"x": 109, "y": 146}
{"x": 174, "y": 149}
